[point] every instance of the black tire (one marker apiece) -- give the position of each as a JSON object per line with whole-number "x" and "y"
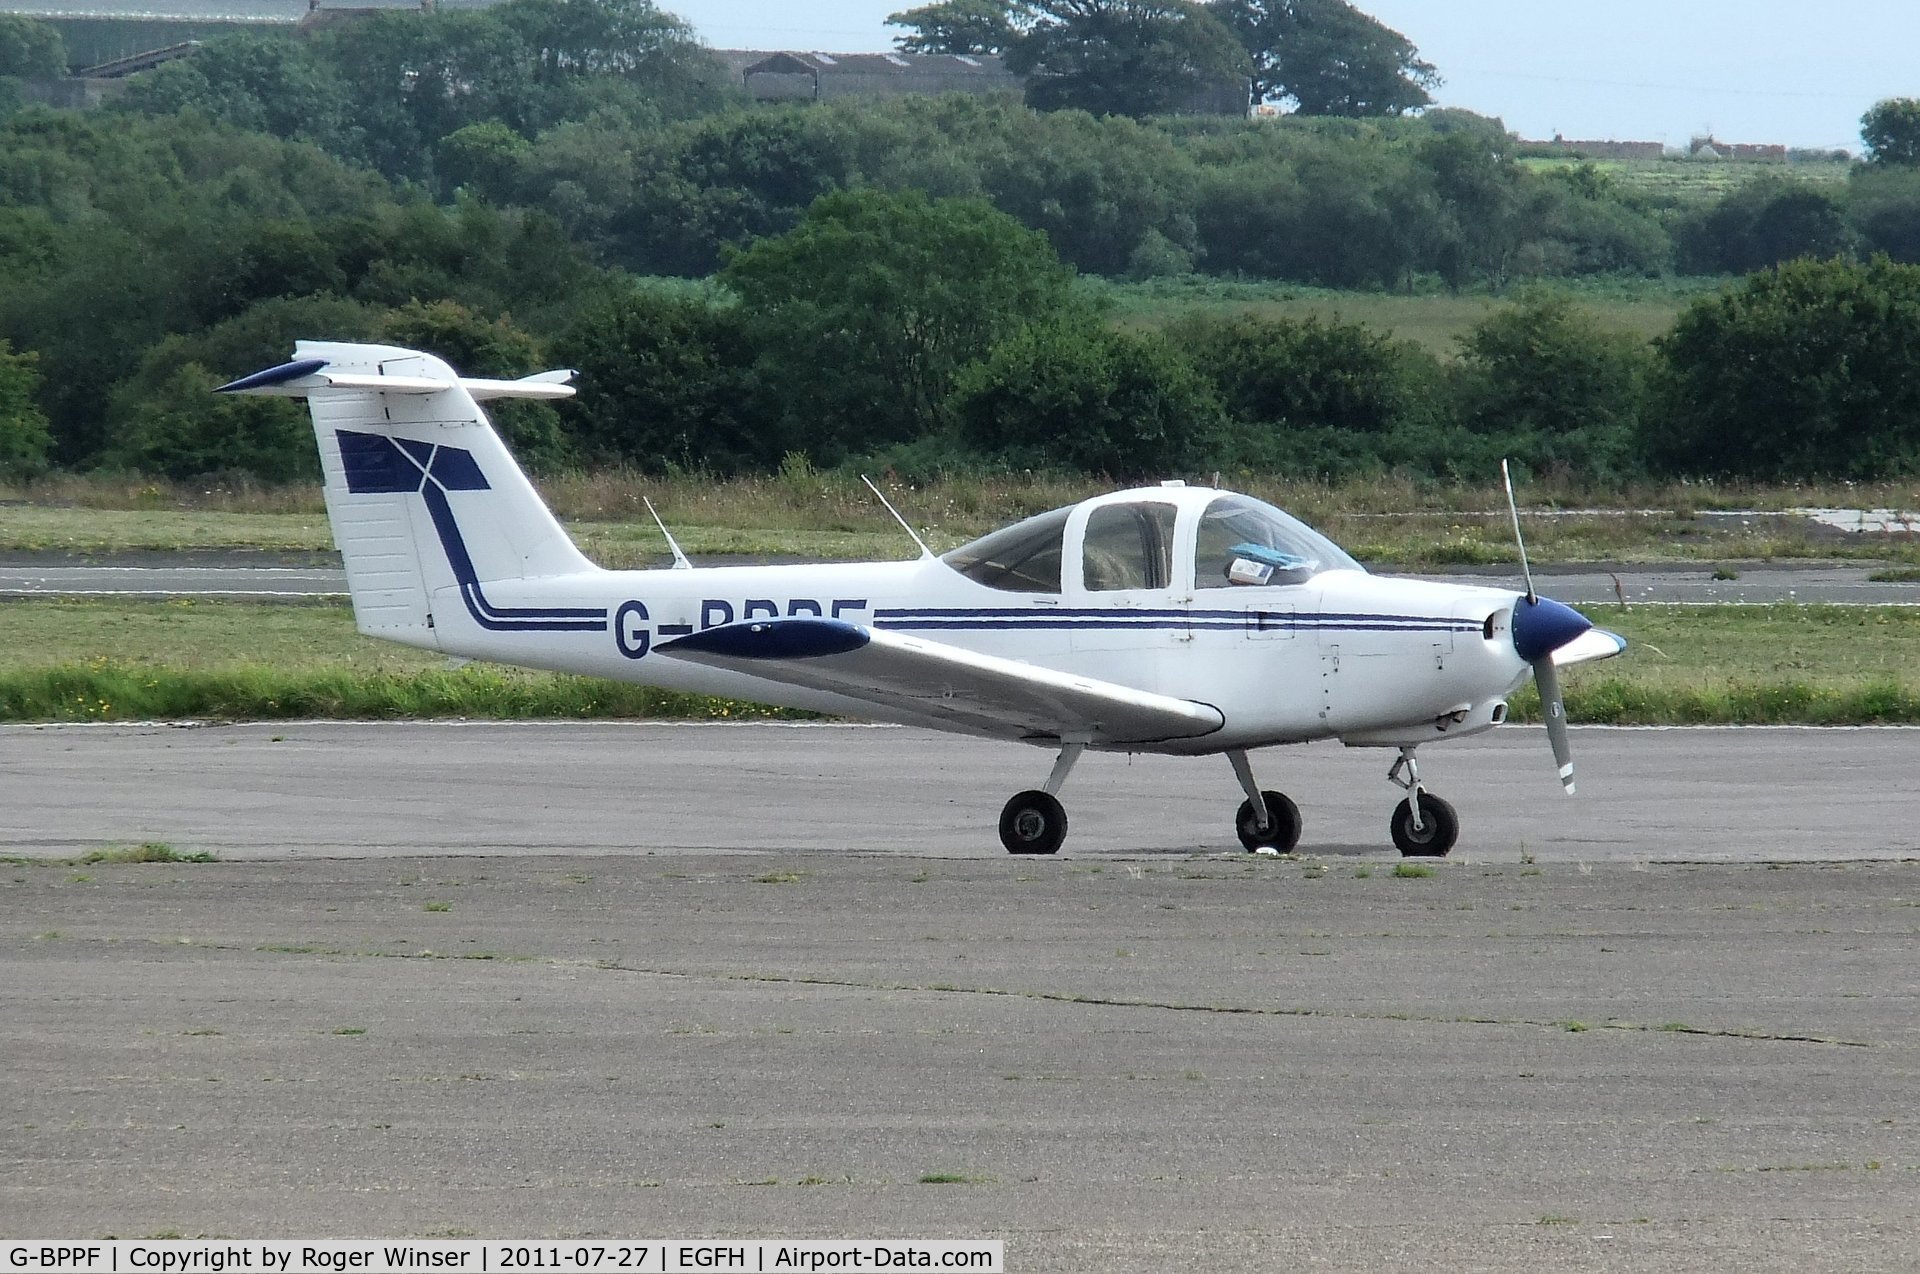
{"x": 1033, "y": 823}
{"x": 1283, "y": 825}
{"x": 1439, "y": 828}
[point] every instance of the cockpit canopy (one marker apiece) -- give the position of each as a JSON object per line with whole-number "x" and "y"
{"x": 1150, "y": 540}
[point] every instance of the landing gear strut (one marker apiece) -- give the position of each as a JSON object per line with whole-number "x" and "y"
{"x": 1035, "y": 822}
{"x": 1423, "y": 825}
{"x": 1267, "y": 822}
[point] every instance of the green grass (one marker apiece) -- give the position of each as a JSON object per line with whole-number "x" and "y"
{"x": 1436, "y": 321}
{"x": 1690, "y": 181}
{"x": 110, "y": 660}
{"x": 150, "y": 852}
{"x": 1749, "y": 665}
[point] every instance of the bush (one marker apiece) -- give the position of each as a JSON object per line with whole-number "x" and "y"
{"x": 1556, "y": 391}
{"x": 665, "y": 381}
{"x": 1764, "y": 223}
{"x": 24, "y": 438}
{"x": 1083, "y": 397}
{"x": 169, "y": 422}
{"x": 1810, "y": 370}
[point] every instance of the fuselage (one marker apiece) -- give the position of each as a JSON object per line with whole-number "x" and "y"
{"x": 1318, "y": 653}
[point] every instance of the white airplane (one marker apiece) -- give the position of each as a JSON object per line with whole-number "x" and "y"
{"x": 1171, "y": 619}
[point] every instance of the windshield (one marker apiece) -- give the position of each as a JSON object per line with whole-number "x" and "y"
{"x": 1235, "y": 520}
{"x": 1022, "y": 558}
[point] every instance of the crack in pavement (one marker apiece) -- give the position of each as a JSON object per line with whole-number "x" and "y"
{"x": 1053, "y": 997}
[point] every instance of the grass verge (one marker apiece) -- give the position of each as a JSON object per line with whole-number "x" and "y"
{"x": 104, "y": 691}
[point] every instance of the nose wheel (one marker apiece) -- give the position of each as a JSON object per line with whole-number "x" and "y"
{"x": 1423, "y": 825}
{"x": 1439, "y": 828}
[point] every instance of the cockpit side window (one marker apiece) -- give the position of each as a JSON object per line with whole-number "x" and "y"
{"x": 1128, "y": 546}
{"x": 1234, "y": 520}
{"x": 1022, "y": 558}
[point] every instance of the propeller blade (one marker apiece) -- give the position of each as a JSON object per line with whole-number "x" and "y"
{"x": 1514, "y": 509}
{"x": 1547, "y": 678}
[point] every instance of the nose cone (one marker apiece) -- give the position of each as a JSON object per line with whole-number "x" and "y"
{"x": 1542, "y": 627}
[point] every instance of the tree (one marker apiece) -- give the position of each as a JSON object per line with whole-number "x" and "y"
{"x": 1287, "y": 372}
{"x": 1313, "y": 399}
{"x": 874, "y": 302}
{"x": 171, "y": 423}
{"x": 665, "y": 382}
{"x": 1554, "y": 388}
{"x": 1890, "y": 131}
{"x": 1764, "y": 223}
{"x": 974, "y": 27}
{"x": 1083, "y": 396}
{"x": 572, "y": 43}
{"x": 1883, "y": 204}
{"x": 24, "y": 439}
{"x": 477, "y": 346}
{"x": 262, "y": 83}
{"x": 1809, "y": 370}
{"x": 1328, "y": 58}
{"x": 30, "y": 48}
{"x": 1126, "y": 57}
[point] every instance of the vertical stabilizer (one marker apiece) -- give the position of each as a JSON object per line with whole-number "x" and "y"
{"x": 427, "y": 504}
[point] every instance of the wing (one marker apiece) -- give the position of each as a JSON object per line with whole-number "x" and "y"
{"x": 980, "y": 693}
{"x": 1595, "y": 643}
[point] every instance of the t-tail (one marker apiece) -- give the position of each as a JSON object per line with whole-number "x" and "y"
{"x": 428, "y": 507}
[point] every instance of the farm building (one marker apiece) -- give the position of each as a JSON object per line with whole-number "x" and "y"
{"x": 816, "y": 77}
{"x": 1606, "y": 149}
{"x": 788, "y": 75}
{"x": 1710, "y": 147}
{"x": 100, "y": 32}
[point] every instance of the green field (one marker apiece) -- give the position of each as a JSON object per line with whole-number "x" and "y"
{"x": 1693, "y": 181}
{"x": 1436, "y": 321}
{"x": 106, "y": 660}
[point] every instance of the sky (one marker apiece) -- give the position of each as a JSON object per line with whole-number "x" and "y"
{"x": 1627, "y": 70}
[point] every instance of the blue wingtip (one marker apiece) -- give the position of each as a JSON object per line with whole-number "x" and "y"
{"x": 274, "y": 375}
{"x": 1542, "y": 627}
{"x": 772, "y": 639}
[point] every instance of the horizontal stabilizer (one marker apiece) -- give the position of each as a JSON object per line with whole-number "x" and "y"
{"x": 302, "y": 377}
{"x": 982, "y": 693}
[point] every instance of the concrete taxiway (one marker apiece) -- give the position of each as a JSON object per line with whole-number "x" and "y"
{"x": 761, "y": 981}
{"x": 357, "y": 789}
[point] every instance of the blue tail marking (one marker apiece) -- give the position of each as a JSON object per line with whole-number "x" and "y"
{"x": 378, "y": 465}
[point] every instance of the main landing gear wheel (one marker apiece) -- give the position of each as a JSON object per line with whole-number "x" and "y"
{"x": 1282, "y": 832}
{"x": 1033, "y": 823}
{"x": 1439, "y": 828}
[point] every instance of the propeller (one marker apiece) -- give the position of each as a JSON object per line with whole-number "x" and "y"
{"x": 1540, "y": 627}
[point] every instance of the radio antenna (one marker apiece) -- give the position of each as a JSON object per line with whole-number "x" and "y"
{"x": 680, "y": 562}
{"x": 925, "y": 552}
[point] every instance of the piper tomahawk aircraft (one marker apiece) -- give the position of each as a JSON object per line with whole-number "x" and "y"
{"x": 1171, "y": 619}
